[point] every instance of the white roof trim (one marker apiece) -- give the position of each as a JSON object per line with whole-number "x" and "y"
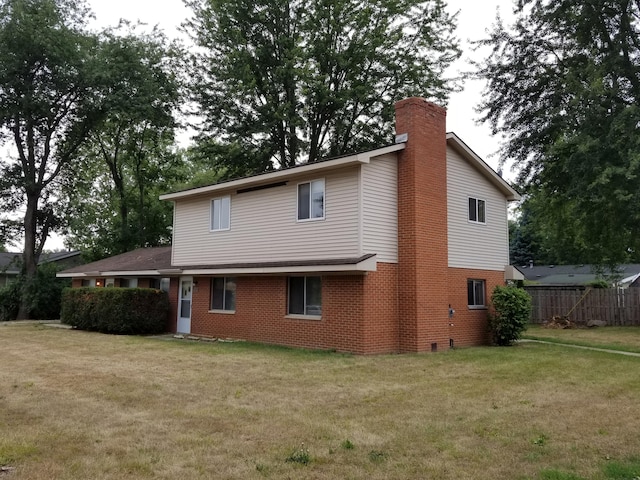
{"x": 482, "y": 166}
{"x": 368, "y": 265}
{"x": 364, "y": 157}
{"x": 121, "y": 273}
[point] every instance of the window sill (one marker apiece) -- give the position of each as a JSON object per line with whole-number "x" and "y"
{"x": 303, "y": 317}
{"x": 306, "y": 220}
{"x": 225, "y": 312}
{"x": 477, "y": 307}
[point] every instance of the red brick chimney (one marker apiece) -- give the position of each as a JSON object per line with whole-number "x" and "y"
{"x": 422, "y": 227}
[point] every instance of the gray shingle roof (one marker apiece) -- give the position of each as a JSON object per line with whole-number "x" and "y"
{"x": 574, "y": 274}
{"x": 153, "y": 258}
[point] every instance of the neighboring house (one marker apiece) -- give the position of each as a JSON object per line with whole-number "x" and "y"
{"x": 624, "y": 276}
{"x": 10, "y": 263}
{"x": 9, "y": 267}
{"x": 392, "y": 250}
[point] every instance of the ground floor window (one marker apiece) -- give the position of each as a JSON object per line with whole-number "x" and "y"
{"x": 476, "y": 293}
{"x": 128, "y": 283}
{"x": 305, "y": 296}
{"x": 160, "y": 284}
{"x": 223, "y": 293}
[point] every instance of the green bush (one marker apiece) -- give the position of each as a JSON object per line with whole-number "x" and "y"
{"x": 10, "y": 301}
{"x": 511, "y": 311}
{"x": 126, "y": 311}
{"x": 43, "y": 295}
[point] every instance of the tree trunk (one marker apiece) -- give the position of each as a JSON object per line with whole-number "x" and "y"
{"x": 29, "y": 258}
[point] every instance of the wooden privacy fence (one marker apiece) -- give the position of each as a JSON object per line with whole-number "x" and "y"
{"x": 580, "y": 304}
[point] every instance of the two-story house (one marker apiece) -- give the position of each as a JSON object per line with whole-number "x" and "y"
{"x": 391, "y": 250}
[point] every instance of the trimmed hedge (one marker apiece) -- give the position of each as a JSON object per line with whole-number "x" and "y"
{"x": 124, "y": 311}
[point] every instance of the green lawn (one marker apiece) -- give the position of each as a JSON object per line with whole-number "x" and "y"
{"x": 615, "y": 338}
{"x": 76, "y": 405}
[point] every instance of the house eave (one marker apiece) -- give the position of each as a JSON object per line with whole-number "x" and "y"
{"x": 366, "y": 263}
{"x": 458, "y": 144}
{"x": 117, "y": 273}
{"x": 356, "y": 159}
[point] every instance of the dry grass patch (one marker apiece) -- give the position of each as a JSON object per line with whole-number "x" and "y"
{"x": 616, "y": 338}
{"x": 83, "y": 405}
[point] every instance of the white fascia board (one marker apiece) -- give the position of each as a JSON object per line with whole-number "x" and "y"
{"x": 368, "y": 265}
{"x": 359, "y": 158}
{"x": 485, "y": 169}
{"x": 135, "y": 273}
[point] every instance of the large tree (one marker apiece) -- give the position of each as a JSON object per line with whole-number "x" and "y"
{"x": 47, "y": 109}
{"x": 277, "y": 82}
{"x": 129, "y": 158}
{"x": 563, "y": 86}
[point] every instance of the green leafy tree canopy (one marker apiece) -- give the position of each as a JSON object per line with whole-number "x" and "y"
{"x": 47, "y": 109}
{"x": 563, "y": 86}
{"x": 283, "y": 81}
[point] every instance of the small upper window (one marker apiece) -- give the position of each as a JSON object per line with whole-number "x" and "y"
{"x": 477, "y": 210}
{"x": 221, "y": 213}
{"x": 475, "y": 293}
{"x": 311, "y": 200}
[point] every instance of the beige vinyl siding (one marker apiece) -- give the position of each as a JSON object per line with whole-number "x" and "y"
{"x": 380, "y": 208}
{"x": 264, "y": 225}
{"x": 474, "y": 245}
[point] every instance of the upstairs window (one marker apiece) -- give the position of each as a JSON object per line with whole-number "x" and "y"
{"x": 311, "y": 200}
{"x": 223, "y": 293}
{"x": 475, "y": 293}
{"x": 477, "y": 209}
{"x": 220, "y": 213}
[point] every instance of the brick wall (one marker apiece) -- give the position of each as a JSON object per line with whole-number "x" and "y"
{"x": 381, "y": 327}
{"x": 172, "y": 322}
{"x": 346, "y": 324}
{"x": 470, "y": 326}
{"x": 422, "y": 227}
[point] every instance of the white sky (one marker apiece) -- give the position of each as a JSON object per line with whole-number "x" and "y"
{"x": 474, "y": 18}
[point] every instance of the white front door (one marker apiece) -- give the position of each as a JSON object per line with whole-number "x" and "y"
{"x": 184, "y": 305}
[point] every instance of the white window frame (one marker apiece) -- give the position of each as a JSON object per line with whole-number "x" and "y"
{"x": 224, "y": 308}
{"x": 477, "y": 210}
{"x": 212, "y": 208}
{"x": 324, "y": 202}
{"x": 472, "y": 282}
